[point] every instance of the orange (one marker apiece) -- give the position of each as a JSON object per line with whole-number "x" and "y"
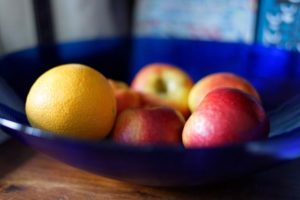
{"x": 72, "y": 100}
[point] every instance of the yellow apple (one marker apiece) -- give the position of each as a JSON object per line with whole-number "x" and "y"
{"x": 164, "y": 84}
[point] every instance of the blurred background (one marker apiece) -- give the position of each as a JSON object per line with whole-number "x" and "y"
{"x": 28, "y": 23}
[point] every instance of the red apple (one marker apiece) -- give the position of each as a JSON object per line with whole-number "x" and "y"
{"x": 164, "y": 84}
{"x": 125, "y": 96}
{"x": 226, "y": 116}
{"x": 217, "y": 80}
{"x": 149, "y": 126}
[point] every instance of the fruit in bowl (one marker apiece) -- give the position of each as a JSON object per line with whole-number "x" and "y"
{"x": 225, "y": 116}
{"x": 72, "y": 100}
{"x": 217, "y": 80}
{"x": 163, "y": 84}
{"x": 125, "y": 96}
{"x": 77, "y": 101}
{"x": 149, "y": 126}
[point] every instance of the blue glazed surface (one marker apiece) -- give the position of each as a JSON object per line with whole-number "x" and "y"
{"x": 273, "y": 72}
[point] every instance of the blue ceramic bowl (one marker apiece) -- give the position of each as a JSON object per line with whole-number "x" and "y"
{"x": 273, "y": 72}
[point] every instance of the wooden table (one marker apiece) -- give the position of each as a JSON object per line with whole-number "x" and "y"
{"x": 27, "y": 174}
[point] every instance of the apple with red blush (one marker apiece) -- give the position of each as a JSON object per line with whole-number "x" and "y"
{"x": 159, "y": 126}
{"x": 225, "y": 116}
{"x": 125, "y": 96}
{"x": 217, "y": 80}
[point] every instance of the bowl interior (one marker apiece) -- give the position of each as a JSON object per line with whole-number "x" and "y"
{"x": 272, "y": 71}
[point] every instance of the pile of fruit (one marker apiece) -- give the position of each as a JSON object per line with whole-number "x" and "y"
{"x": 162, "y": 106}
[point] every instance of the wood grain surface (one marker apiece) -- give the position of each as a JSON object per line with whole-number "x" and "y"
{"x": 27, "y": 174}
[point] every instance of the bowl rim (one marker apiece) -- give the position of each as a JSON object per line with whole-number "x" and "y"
{"x": 264, "y": 145}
